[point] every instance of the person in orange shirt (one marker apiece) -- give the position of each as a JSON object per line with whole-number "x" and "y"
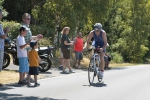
{"x": 78, "y": 48}
{"x": 34, "y": 61}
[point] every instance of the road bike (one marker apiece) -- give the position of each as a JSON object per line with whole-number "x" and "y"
{"x": 94, "y": 65}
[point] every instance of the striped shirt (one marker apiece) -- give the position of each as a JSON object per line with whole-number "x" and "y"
{"x": 1, "y": 40}
{"x": 28, "y": 36}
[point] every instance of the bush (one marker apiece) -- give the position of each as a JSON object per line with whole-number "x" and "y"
{"x": 117, "y": 58}
{"x": 14, "y": 27}
{"x": 44, "y": 42}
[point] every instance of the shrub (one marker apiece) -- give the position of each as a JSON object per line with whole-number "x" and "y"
{"x": 117, "y": 58}
{"x": 44, "y": 42}
{"x": 14, "y": 27}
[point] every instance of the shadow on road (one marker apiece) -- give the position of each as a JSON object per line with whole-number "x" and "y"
{"x": 45, "y": 72}
{"x": 3, "y": 88}
{"x": 11, "y": 86}
{"x": 118, "y": 68}
{"x": 97, "y": 85}
{"x": 5, "y": 96}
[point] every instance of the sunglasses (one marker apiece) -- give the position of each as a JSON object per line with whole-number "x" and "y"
{"x": 97, "y": 31}
{"x": 27, "y": 18}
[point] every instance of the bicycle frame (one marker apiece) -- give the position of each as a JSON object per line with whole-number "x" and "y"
{"x": 94, "y": 67}
{"x": 96, "y": 57}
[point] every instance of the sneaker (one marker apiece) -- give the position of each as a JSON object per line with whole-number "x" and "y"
{"x": 61, "y": 67}
{"x": 28, "y": 84}
{"x": 32, "y": 80}
{"x": 108, "y": 68}
{"x": 101, "y": 74}
{"x": 36, "y": 84}
{"x": 22, "y": 82}
{"x": 19, "y": 82}
{"x": 76, "y": 67}
{"x": 65, "y": 72}
{"x": 105, "y": 68}
{"x": 71, "y": 71}
{"x": 1, "y": 85}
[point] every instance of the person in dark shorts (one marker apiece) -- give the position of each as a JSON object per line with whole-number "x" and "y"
{"x": 107, "y": 61}
{"x": 65, "y": 48}
{"x": 78, "y": 49}
{"x": 34, "y": 63}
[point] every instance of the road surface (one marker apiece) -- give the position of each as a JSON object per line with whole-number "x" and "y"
{"x": 128, "y": 83}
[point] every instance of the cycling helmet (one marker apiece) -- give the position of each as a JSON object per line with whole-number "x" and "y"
{"x": 98, "y": 26}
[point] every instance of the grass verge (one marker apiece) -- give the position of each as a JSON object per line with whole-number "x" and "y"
{"x": 8, "y": 77}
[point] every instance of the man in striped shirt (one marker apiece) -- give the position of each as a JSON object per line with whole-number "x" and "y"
{"x": 26, "y": 18}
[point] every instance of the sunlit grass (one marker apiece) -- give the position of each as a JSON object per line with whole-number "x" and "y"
{"x": 7, "y": 77}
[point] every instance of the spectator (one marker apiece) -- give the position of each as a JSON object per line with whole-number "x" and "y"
{"x": 34, "y": 63}
{"x": 61, "y": 54}
{"x": 107, "y": 61}
{"x": 65, "y": 48}
{"x": 22, "y": 54}
{"x": 78, "y": 49}
{"x": 26, "y": 18}
{"x": 2, "y": 37}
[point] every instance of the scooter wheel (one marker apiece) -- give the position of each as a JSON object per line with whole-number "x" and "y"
{"x": 45, "y": 65}
{"x": 6, "y": 61}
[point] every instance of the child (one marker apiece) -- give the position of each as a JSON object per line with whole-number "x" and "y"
{"x": 22, "y": 54}
{"x": 34, "y": 63}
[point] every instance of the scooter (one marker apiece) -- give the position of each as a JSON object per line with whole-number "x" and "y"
{"x": 10, "y": 52}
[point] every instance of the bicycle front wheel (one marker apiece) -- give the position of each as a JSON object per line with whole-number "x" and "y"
{"x": 91, "y": 74}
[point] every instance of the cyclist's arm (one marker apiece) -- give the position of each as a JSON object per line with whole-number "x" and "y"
{"x": 105, "y": 40}
{"x": 88, "y": 39}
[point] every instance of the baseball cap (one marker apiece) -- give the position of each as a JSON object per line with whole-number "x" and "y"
{"x": 23, "y": 28}
{"x": 32, "y": 44}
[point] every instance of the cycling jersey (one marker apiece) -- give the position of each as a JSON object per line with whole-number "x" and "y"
{"x": 99, "y": 42}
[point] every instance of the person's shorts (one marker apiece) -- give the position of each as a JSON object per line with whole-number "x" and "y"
{"x": 23, "y": 65}
{"x": 61, "y": 54}
{"x": 107, "y": 58}
{"x": 34, "y": 70}
{"x": 66, "y": 53}
{"x": 79, "y": 55}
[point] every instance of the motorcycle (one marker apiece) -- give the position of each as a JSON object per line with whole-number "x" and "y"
{"x": 10, "y": 52}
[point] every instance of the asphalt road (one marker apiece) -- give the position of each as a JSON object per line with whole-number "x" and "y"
{"x": 128, "y": 83}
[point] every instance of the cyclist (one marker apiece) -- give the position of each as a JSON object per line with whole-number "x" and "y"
{"x": 100, "y": 39}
